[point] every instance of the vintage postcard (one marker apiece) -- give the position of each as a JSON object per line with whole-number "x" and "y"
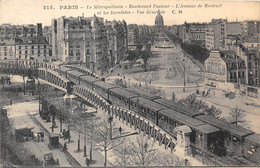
{"x": 115, "y": 83}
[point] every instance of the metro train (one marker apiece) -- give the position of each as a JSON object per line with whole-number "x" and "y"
{"x": 209, "y": 134}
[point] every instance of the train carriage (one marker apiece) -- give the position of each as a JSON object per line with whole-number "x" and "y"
{"x": 143, "y": 93}
{"x": 146, "y": 108}
{"x": 121, "y": 97}
{"x": 178, "y": 107}
{"x": 74, "y": 76}
{"x": 102, "y": 88}
{"x": 88, "y": 81}
{"x": 203, "y": 136}
{"x": 63, "y": 70}
{"x": 252, "y": 148}
{"x": 234, "y": 136}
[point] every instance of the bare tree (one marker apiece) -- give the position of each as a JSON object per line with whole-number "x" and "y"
{"x": 192, "y": 102}
{"x": 62, "y": 110}
{"x": 122, "y": 154}
{"x": 143, "y": 153}
{"x": 102, "y": 137}
{"x": 171, "y": 160}
{"x": 238, "y": 115}
{"x": 212, "y": 110}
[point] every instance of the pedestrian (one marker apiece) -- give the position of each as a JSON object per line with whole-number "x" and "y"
{"x": 58, "y": 162}
{"x": 38, "y": 137}
{"x": 197, "y": 91}
{"x": 120, "y": 130}
{"x": 42, "y": 136}
{"x": 11, "y": 101}
{"x": 87, "y": 161}
{"x": 65, "y": 146}
{"x": 68, "y": 134}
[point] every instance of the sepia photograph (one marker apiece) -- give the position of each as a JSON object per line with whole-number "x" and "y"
{"x": 139, "y": 83}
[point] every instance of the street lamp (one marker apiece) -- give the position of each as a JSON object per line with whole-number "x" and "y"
{"x": 39, "y": 93}
{"x": 184, "y": 82}
{"x": 110, "y": 119}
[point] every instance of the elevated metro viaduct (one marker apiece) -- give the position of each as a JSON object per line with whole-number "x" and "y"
{"x": 46, "y": 72}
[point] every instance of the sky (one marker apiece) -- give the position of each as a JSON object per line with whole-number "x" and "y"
{"x": 19, "y": 12}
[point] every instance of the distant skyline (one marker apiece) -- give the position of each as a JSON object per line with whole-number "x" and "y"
{"x": 18, "y": 12}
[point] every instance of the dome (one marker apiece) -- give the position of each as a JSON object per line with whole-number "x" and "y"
{"x": 159, "y": 19}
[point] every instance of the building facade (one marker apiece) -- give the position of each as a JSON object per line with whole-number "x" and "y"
{"x": 215, "y": 69}
{"x": 33, "y": 48}
{"x": 132, "y": 36}
{"x": 8, "y": 31}
{"x": 7, "y": 49}
{"x": 89, "y": 40}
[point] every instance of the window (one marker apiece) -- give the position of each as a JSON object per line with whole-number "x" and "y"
{"x": 26, "y": 52}
{"x": 77, "y": 52}
{"x": 32, "y": 47}
{"x": 26, "y": 47}
{"x": 44, "y": 46}
{"x": 32, "y": 51}
{"x": 44, "y": 51}
{"x": 87, "y": 53}
{"x": 39, "y": 47}
{"x": 20, "y": 52}
{"x": 5, "y": 48}
{"x": 5, "y": 53}
{"x": 20, "y": 47}
{"x": 71, "y": 53}
{"x": 39, "y": 51}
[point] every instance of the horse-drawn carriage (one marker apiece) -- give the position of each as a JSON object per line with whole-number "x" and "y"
{"x": 23, "y": 133}
{"x": 49, "y": 160}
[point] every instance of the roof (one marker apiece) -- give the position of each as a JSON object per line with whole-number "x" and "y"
{"x": 143, "y": 93}
{"x": 105, "y": 85}
{"x": 254, "y": 138}
{"x": 178, "y": 107}
{"x": 223, "y": 125}
{"x": 64, "y": 69}
{"x": 31, "y": 40}
{"x": 182, "y": 118}
{"x": 207, "y": 129}
{"x": 89, "y": 78}
{"x": 75, "y": 73}
{"x": 228, "y": 52}
{"x": 6, "y": 42}
{"x": 148, "y": 103}
{"x": 123, "y": 93}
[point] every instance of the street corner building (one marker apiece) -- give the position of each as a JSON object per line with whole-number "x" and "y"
{"x": 89, "y": 40}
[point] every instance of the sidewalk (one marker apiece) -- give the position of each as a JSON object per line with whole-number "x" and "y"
{"x": 98, "y": 158}
{"x": 20, "y": 117}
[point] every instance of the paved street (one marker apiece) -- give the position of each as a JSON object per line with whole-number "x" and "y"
{"x": 19, "y": 114}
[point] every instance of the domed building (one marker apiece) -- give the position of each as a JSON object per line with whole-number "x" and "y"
{"x": 159, "y": 23}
